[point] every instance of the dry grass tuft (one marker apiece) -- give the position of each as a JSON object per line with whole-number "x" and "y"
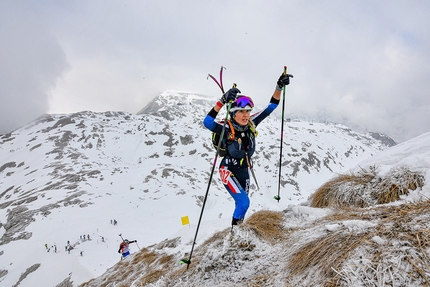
{"x": 145, "y": 256}
{"x": 366, "y": 188}
{"x": 169, "y": 243}
{"x": 88, "y": 283}
{"x": 325, "y": 253}
{"x": 146, "y": 267}
{"x": 341, "y": 255}
{"x": 151, "y": 277}
{"x": 216, "y": 237}
{"x": 165, "y": 260}
{"x": 261, "y": 280}
{"x": 267, "y": 224}
{"x": 125, "y": 274}
{"x": 399, "y": 182}
{"x": 153, "y": 267}
{"x": 139, "y": 256}
{"x": 331, "y": 194}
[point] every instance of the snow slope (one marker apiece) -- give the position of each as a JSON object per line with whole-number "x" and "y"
{"x": 65, "y": 176}
{"x": 384, "y": 245}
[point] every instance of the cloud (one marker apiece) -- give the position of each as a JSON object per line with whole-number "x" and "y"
{"x": 360, "y": 63}
{"x": 31, "y": 60}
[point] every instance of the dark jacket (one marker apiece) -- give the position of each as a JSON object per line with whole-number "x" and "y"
{"x": 244, "y": 141}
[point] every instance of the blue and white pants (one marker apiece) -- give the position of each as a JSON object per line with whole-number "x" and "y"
{"x": 236, "y": 181}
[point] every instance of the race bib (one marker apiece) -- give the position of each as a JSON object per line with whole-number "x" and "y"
{"x": 224, "y": 174}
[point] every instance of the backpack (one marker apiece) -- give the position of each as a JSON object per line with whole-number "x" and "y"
{"x": 229, "y": 138}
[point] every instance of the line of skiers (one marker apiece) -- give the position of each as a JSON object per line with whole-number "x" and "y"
{"x": 83, "y": 237}
{"x": 48, "y": 249}
{"x": 124, "y": 247}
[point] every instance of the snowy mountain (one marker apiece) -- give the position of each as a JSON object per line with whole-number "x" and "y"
{"x": 385, "y": 244}
{"x": 63, "y": 177}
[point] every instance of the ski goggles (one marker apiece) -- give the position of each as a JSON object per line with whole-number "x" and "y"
{"x": 243, "y": 103}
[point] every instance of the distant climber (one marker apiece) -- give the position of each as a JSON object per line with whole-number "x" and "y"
{"x": 124, "y": 248}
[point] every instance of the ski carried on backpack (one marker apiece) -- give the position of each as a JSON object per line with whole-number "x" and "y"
{"x": 219, "y": 83}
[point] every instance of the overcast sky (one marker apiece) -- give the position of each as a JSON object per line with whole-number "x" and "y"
{"x": 363, "y": 63}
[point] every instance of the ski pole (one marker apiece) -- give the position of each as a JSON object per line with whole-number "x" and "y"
{"x": 188, "y": 260}
{"x": 120, "y": 235}
{"x": 278, "y": 197}
{"x": 252, "y": 171}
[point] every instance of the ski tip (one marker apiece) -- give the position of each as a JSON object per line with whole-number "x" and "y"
{"x": 185, "y": 261}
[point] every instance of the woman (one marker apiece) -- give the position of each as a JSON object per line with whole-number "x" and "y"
{"x": 234, "y": 167}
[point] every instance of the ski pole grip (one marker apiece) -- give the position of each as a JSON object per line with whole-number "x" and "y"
{"x": 285, "y": 70}
{"x": 234, "y": 85}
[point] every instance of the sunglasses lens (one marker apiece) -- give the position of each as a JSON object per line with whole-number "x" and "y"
{"x": 244, "y": 101}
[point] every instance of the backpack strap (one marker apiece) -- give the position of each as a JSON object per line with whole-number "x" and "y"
{"x": 232, "y": 134}
{"x": 252, "y": 128}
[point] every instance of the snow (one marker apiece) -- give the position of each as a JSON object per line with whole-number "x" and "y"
{"x": 333, "y": 227}
{"x": 141, "y": 218}
{"x": 414, "y": 154}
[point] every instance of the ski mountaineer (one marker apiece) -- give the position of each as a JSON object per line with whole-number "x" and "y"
{"x": 124, "y": 248}
{"x": 234, "y": 167}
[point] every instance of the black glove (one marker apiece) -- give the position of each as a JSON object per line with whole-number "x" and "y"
{"x": 229, "y": 96}
{"x": 284, "y": 80}
{"x": 119, "y": 251}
